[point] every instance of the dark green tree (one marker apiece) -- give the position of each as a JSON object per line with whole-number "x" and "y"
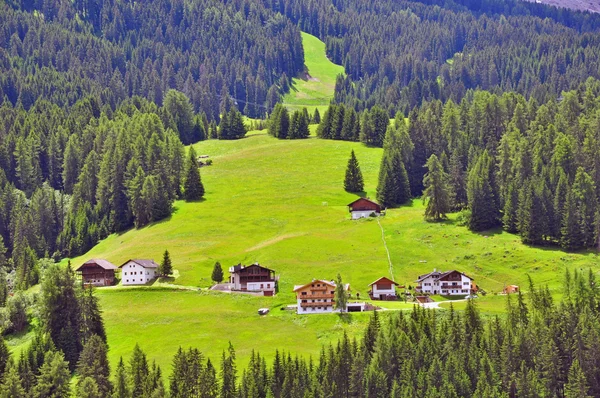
{"x": 353, "y": 182}
{"x": 11, "y": 384}
{"x": 193, "y": 188}
{"x": 482, "y": 200}
{"x": 437, "y": 190}
{"x": 217, "y": 273}
{"x": 166, "y": 267}
{"x": 121, "y": 387}
{"x": 54, "y": 377}
{"x": 93, "y": 364}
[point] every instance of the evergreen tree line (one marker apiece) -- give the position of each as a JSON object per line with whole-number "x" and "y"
{"x": 539, "y": 349}
{"x": 281, "y": 125}
{"x": 398, "y": 54}
{"x": 116, "y": 49}
{"x": 341, "y": 122}
{"x": 528, "y": 167}
{"x": 68, "y": 180}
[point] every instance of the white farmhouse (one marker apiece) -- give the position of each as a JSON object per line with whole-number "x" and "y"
{"x": 449, "y": 283}
{"x": 383, "y": 289}
{"x": 138, "y": 272}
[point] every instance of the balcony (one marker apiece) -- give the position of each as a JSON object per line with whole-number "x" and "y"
{"x": 330, "y": 304}
{"x": 316, "y": 296}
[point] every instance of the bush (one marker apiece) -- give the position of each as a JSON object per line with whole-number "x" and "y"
{"x": 463, "y": 217}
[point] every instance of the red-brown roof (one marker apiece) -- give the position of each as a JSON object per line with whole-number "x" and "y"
{"x": 363, "y": 199}
{"x": 384, "y": 279}
{"x": 99, "y": 262}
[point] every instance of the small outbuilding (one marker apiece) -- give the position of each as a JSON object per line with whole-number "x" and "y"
{"x": 138, "y": 272}
{"x": 383, "y": 289}
{"x": 97, "y": 272}
{"x": 510, "y": 289}
{"x": 364, "y": 207}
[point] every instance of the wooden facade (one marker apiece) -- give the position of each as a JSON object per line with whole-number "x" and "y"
{"x": 97, "y": 272}
{"x": 383, "y": 289}
{"x": 316, "y": 297}
{"x": 253, "y": 278}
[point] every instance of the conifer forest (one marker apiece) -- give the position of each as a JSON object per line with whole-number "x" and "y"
{"x": 487, "y": 112}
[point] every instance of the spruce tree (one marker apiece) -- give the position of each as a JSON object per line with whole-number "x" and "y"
{"x": 121, "y": 388}
{"x": 166, "y": 267}
{"x": 228, "y": 374}
{"x": 393, "y": 187}
{"x": 193, "y": 188}
{"x": 54, "y": 378}
{"x": 87, "y": 388}
{"x": 353, "y": 181}
{"x": 11, "y": 386}
{"x": 93, "y": 364}
{"x": 437, "y": 191}
{"x": 482, "y": 200}
{"x": 577, "y": 386}
{"x": 217, "y": 273}
{"x": 92, "y": 323}
{"x": 316, "y": 119}
{"x": 570, "y": 231}
{"x": 138, "y": 372}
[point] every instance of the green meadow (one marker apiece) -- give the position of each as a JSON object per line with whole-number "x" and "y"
{"x": 281, "y": 203}
{"x": 314, "y": 89}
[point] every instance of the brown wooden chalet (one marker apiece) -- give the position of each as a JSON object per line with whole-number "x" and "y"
{"x": 253, "y": 278}
{"x": 363, "y": 207}
{"x": 97, "y": 272}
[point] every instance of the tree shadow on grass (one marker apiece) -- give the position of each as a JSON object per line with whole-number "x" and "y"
{"x": 345, "y": 317}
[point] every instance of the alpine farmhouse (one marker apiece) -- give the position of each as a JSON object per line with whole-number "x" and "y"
{"x": 449, "y": 283}
{"x": 97, "y": 272}
{"x": 253, "y": 278}
{"x": 316, "y": 297}
{"x": 138, "y": 272}
{"x": 383, "y": 289}
{"x": 363, "y": 207}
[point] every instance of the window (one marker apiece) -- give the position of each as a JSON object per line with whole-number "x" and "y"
{"x": 304, "y": 301}
{"x": 262, "y": 286}
{"x": 127, "y": 280}
{"x": 125, "y": 272}
{"x": 333, "y": 292}
{"x": 465, "y": 283}
{"x": 304, "y": 293}
{"x": 313, "y": 308}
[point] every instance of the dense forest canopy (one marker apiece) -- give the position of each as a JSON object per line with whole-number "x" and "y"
{"x": 398, "y": 54}
{"x": 209, "y": 50}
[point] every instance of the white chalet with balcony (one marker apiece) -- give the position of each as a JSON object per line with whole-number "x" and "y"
{"x": 449, "y": 283}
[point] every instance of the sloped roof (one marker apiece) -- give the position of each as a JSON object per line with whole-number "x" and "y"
{"x": 239, "y": 267}
{"x": 330, "y": 283}
{"x": 440, "y": 275}
{"x": 143, "y": 263}
{"x": 367, "y": 199}
{"x": 383, "y": 278}
{"x": 99, "y": 262}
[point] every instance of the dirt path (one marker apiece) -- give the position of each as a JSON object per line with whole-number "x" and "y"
{"x": 386, "y": 250}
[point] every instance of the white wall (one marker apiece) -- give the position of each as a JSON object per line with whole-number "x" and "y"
{"x": 362, "y": 214}
{"x": 460, "y": 290}
{"x": 316, "y": 310}
{"x": 385, "y": 292}
{"x": 134, "y": 274}
{"x": 256, "y": 286}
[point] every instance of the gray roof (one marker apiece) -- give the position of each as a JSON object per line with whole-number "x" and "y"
{"x": 100, "y": 262}
{"x": 143, "y": 263}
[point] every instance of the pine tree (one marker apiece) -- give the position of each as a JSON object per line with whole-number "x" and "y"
{"x": 482, "y": 200}
{"x": 92, "y": 323}
{"x": 354, "y": 179}
{"x": 11, "y": 384}
{"x": 570, "y": 231}
{"x": 393, "y": 187}
{"x": 341, "y": 297}
{"x": 121, "y": 389}
{"x": 166, "y": 268}
{"x": 577, "y": 386}
{"x": 228, "y": 374}
{"x": 87, "y": 388}
{"x": 60, "y": 311}
{"x": 93, "y": 364}
{"x": 4, "y": 357}
{"x": 316, "y": 119}
{"x": 138, "y": 372}
{"x": 193, "y": 188}
{"x": 217, "y": 274}
{"x": 437, "y": 191}
{"x": 54, "y": 377}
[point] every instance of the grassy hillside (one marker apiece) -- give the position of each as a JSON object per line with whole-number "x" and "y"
{"x": 314, "y": 89}
{"x": 282, "y": 203}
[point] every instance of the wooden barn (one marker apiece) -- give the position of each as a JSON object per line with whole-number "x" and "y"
{"x": 97, "y": 272}
{"x": 383, "y": 289}
{"x": 363, "y": 207}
